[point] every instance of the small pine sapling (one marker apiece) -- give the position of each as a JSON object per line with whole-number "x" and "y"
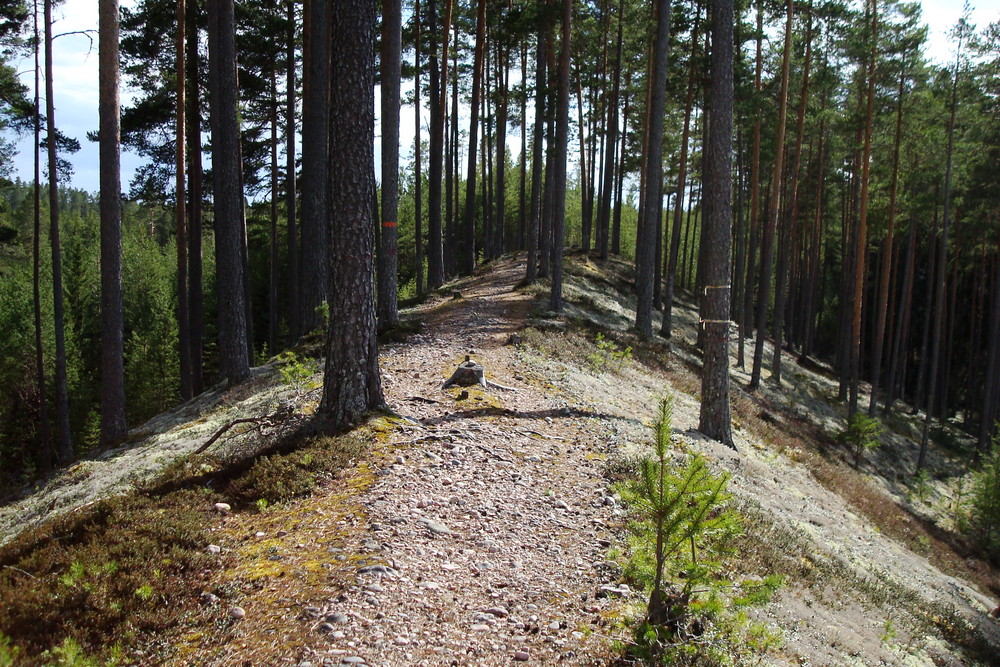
{"x": 861, "y": 435}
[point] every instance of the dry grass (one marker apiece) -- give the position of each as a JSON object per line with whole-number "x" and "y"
{"x": 110, "y": 576}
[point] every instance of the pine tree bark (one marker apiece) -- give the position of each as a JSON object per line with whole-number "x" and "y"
{"x": 180, "y": 157}
{"x": 314, "y": 276}
{"x": 351, "y": 383}
{"x": 44, "y": 454}
{"x": 645, "y": 266}
{"x": 747, "y": 324}
{"x": 861, "y": 248}
{"x": 767, "y": 251}
{"x": 537, "y": 142}
{"x": 234, "y": 361}
{"x": 291, "y": 198}
{"x": 675, "y": 231}
{"x": 887, "y": 246}
{"x": 715, "y": 420}
{"x": 438, "y": 96}
{"x": 418, "y": 173}
{"x": 195, "y": 265}
{"x": 791, "y": 214}
{"x": 392, "y": 46}
{"x": 469, "y": 221}
{"x": 560, "y": 160}
{"x": 64, "y": 444}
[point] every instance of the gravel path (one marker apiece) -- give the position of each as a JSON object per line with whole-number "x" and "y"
{"x": 489, "y": 529}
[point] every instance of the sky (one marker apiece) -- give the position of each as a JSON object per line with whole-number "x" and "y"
{"x": 75, "y": 77}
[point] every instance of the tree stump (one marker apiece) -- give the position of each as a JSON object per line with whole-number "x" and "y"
{"x": 467, "y": 374}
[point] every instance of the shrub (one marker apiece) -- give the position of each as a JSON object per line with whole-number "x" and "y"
{"x": 862, "y": 434}
{"x": 608, "y": 355}
{"x": 682, "y": 526}
{"x": 984, "y": 503}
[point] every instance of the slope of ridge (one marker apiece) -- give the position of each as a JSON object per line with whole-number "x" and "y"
{"x": 477, "y": 528}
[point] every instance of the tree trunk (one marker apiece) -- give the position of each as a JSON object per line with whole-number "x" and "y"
{"x": 435, "y": 247}
{"x": 585, "y": 212}
{"x": 715, "y": 421}
{"x": 767, "y": 252}
{"x": 791, "y": 217}
{"x": 747, "y": 315}
{"x": 195, "y": 271}
{"x": 44, "y": 456}
{"x": 883, "y": 289}
{"x": 392, "y": 31}
{"x": 645, "y": 266}
{"x": 272, "y": 319}
{"x": 64, "y": 445}
{"x": 418, "y": 173}
{"x": 537, "y": 141}
{"x": 234, "y": 361}
{"x": 351, "y": 383}
{"x": 500, "y": 196}
{"x": 469, "y": 222}
{"x": 560, "y": 160}
{"x": 180, "y": 158}
{"x": 675, "y": 231}
{"x": 861, "y": 248}
{"x": 292, "y": 278}
{"x": 314, "y": 277}
{"x": 604, "y": 210}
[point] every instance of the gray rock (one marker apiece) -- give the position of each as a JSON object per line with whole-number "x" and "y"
{"x": 338, "y": 617}
{"x": 325, "y": 628}
{"x": 238, "y": 612}
{"x": 436, "y": 528}
{"x": 378, "y": 569}
{"x": 352, "y": 660}
{"x": 214, "y": 549}
{"x": 522, "y": 656}
{"x": 498, "y": 612}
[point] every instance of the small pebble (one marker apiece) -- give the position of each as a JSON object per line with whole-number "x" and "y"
{"x": 260, "y": 534}
{"x": 223, "y": 508}
{"x": 214, "y": 549}
{"x": 338, "y": 617}
{"x": 522, "y": 656}
{"x": 401, "y": 641}
{"x": 238, "y": 612}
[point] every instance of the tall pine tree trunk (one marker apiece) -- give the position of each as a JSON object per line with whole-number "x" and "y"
{"x": 418, "y": 173}
{"x": 180, "y": 161}
{"x": 314, "y": 275}
{"x": 291, "y": 211}
{"x": 351, "y": 383}
{"x": 537, "y": 142}
{"x": 645, "y": 266}
{"x": 469, "y": 222}
{"x": 195, "y": 270}
{"x": 561, "y": 158}
{"x": 767, "y": 251}
{"x": 44, "y": 456}
{"x": 64, "y": 444}
{"x": 234, "y": 360}
{"x": 715, "y": 421}
{"x": 392, "y": 27}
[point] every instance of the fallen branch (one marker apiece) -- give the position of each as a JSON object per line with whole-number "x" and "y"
{"x": 17, "y": 569}
{"x": 267, "y": 420}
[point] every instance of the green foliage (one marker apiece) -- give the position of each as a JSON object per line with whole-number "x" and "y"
{"x": 295, "y": 370}
{"x": 8, "y": 652}
{"x": 682, "y": 527}
{"x": 861, "y": 435}
{"x": 609, "y": 355}
{"x": 984, "y": 503}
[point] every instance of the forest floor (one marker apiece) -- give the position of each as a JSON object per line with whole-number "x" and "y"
{"x": 479, "y": 526}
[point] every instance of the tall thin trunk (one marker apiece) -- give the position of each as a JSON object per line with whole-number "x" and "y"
{"x": 290, "y": 188}
{"x": 314, "y": 275}
{"x": 469, "y": 249}
{"x": 747, "y": 315}
{"x": 645, "y": 269}
{"x": 903, "y": 315}
{"x": 715, "y": 420}
{"x": 64, "y": 445}
{"x": 616, "y": 222}
{"x": 392, "y": 31}
{"x": 180, "y": 160}
{"x": 883, "y": 289}
{"x": 196, "y": 298}
{"x": 418, "y": 173}
{"x": 767, "y": 252}
{"x": 438, "y": 99}
{"x": 503, "y": 79}
{"x": 537, "y": 141}
{"x": 234, "y": 359}
{"x": 586, "y": 222}
{"x": 861, "y": 249}
{"x": 560, "y": 160}
{"x": 791, "y": 217}
{"x": 991, "y": 392}
{"x": 604, "y": 210}
{"x": 675, "y": 231}
{"x": 272, "y": 316}
{"x": 44, "y": 457}
{"x": 522, "y": 212}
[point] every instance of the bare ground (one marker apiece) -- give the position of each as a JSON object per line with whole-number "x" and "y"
{"x": 477, "y": 530}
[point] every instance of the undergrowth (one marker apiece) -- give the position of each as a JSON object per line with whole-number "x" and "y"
{"x": 92, "y": 586}
{"x": 683, "y": 529}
